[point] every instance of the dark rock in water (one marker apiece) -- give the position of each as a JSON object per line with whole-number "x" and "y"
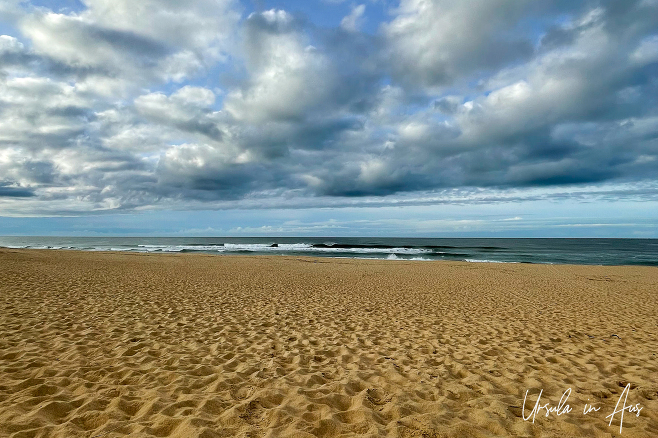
{"x": 274, "y": 245}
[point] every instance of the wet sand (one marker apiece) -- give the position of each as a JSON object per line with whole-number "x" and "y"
{"x": 189, "y": 345}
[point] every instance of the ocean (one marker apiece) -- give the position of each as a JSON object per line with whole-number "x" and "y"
{"x": 556, "y": 251}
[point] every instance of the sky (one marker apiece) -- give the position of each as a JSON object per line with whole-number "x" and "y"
{"x": 501, "y": 118}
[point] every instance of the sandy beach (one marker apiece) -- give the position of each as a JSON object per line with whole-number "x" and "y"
{"x": 119, "y": 344}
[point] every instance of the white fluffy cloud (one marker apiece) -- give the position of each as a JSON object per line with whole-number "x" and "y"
{"x": 188, "y": 109}
{"x": 288, "y": 76}
{"x": 41, "y": 113}
{"x": 9, "y": 44}
{"x": 435, "y": 42}
{"x": 153, "y": 39}
{"x": 352, "y": 22}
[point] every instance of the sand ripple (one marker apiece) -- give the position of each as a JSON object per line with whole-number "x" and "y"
{"x": 107, "y": 345}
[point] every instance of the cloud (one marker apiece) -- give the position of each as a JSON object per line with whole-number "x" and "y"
{"x": 10, "y": 45}
{"x": 187, "y": 109}
{"x": 436, "y": 42}
{"x": 8, "y": 190}
{"x": 152, "y": 40}
{"x": 38, "y": 112}
{"x": 352, "y": 22}
{"x": 139, "y": 105}
{"x": 288, "y": 76}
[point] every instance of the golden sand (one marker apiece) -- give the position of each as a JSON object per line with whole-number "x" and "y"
{"x": 108, "y": 345}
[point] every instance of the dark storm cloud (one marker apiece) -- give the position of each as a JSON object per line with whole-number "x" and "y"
{"x": 8, "y": 191}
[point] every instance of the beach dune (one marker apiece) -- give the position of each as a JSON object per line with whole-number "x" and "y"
{"x": 187, "y": 345}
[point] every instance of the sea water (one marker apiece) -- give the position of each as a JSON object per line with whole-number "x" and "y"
{"x": 559, "y": 251}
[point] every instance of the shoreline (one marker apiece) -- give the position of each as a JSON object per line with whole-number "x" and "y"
{"x": 202, "y": 253}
